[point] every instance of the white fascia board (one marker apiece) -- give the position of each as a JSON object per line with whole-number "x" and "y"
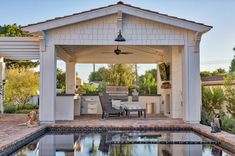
{"x": 181, "y": 23}
{"x": 70, "y": 19}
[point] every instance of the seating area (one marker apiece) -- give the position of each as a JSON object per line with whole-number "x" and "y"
{"x": 114, "y": 102}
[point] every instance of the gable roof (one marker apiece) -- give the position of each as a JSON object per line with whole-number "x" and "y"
{"x": 113, "y": 9}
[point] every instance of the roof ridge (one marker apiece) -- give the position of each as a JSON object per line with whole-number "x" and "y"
{"x": 111, "y": 5}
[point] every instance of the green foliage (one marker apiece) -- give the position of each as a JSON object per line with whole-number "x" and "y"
{"x": 148, "y": 82}
{"x": 9, "y": 108}
{"x": 20, "y": 63}
{"x": 88, "y": 89}
{"x": 206, "y": 118}
{"x": 21, "y": 85}
{"x": 121, "y": 75}
{"x": 22, "y": 109}
{"x": 60, "y": 80}
{"x": 212, "y": 99}
{"x": 228, "y": 124}
{"x": 11, "y": 31}
{"x": 102, "y": 86}
{"x": 205, "y": 74}
{"x": 232, "y": 66}
{"x": 230, "y": 94}
{"x": 99, "y": 75}
{"x": 219, "y": 71}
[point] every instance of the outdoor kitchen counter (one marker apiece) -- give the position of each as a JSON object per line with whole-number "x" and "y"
{"x": 65, "y": 106}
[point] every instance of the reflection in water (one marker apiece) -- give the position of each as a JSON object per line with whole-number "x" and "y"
{"x": 100, "y": 144}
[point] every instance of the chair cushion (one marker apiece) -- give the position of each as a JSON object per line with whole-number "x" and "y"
{"x": 116, "y": 104}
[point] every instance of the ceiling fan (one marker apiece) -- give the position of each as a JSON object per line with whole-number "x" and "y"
{"x": 119, "y": 52}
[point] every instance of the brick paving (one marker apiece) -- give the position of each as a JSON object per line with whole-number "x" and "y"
{"x": 10, "y": 132}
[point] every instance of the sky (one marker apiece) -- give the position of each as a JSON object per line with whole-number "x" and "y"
{"x": 216, "y": 45}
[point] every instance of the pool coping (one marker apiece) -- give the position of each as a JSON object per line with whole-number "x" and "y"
{"x": 13, "y": 146}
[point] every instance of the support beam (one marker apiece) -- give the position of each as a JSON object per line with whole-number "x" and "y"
{"x": 191, "y": 81}
{"x": 47, "y": 85}
{"x": 2, "y": 77}
{"x": 70, "y": 77}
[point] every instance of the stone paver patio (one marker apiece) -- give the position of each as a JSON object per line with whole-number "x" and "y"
{"x": 10, "y": 132}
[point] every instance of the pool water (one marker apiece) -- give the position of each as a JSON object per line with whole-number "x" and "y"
{"x": 123, "y": 143}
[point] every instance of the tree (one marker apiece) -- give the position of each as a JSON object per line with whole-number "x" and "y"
{"x": 12, "y": 31}
{"x": 99, "y": 75}
{"x": 205, "y": 74}
{"x": 232, "y": 67}
{"x": 148, "y": 82}
{"x": 219, "y": 71}
{"x": 121, "y": 75}
{"x": 60, "y": 79}
{"x": 230, "y": 94}
{"x": 21, "y": 85}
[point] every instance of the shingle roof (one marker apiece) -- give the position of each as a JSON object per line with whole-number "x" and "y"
{"x": 118, "y": 3}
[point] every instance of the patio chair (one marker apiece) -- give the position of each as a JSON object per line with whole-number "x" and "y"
{"x": 107, "y": 109}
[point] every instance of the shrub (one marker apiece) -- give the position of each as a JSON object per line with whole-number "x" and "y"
{"x": 228, "y": 124}
{"x": 212, "y": 100}
{"x": 9, "y": 108}
{"x": 21, "y": 85}
{"x": 23, "y": 111}
{"x": 206, "y": 119}
{"x": 230, "y": 94}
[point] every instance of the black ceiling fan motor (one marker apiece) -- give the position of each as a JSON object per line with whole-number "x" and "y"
{"x": 117, "y": 51}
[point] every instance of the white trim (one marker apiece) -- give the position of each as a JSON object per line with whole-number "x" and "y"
{"x": 115, "y": 9}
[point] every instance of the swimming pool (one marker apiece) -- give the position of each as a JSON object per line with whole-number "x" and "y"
{"x": 122, "y": 143}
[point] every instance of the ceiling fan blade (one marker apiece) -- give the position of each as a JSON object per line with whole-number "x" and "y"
{"x": 105, "y": 52}
{"x": 143, "y": 51}
{"x": 125, "y": 53}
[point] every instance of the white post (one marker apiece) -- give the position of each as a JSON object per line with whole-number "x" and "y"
{"x": 70, "y": 77}
{"x": 191, "y": 80}
{"x": 2, "y": 77}
{"x": 47, "y": 85}
{"x": 176, "y": 82}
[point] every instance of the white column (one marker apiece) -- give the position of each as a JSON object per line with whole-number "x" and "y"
{"x": 70, "y": 77}
{"x": 2, "y": 77}
{"x": 191, "y": 81}
{"x": 47, "y": 85}
{"x": 176, "y": 82}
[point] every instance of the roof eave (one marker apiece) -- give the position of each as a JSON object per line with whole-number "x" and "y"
{"x": 113, "y": 9}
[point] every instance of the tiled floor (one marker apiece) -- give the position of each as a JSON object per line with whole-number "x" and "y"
{"x": 10, "y": 132}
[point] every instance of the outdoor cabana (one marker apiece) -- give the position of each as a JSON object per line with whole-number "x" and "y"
{"x": 89, "y": 37}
